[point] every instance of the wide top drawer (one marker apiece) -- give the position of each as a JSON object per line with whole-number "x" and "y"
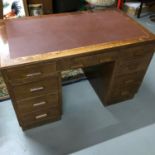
{"x": 30, "y": 72}
{"x": 86, "y": 61}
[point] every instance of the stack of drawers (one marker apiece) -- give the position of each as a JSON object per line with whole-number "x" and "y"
{"x": 130, "y": 70}
{"x": 35, "y": 90}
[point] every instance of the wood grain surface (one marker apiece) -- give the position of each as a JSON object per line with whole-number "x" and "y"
{"x": 23, "y": 49}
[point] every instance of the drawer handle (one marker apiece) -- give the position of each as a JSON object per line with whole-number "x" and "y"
{"x": 78, "y": 66}
{"x": 36, "y": 89}
{"x": 129, "y": 81}
{"x": 33, "y": 74}
{"x": 39, "y": 104}
{"x": 41, "y": 116}
{"x": 101, "y": 60}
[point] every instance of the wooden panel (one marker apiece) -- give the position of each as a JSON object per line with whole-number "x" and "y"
{"x": 136, "y": 52}
{"x": 92, "y": 60}
{"x": 38, "y": 103}
{"x": 133, "y": 65}
{"x": 129, "y": 79}
{"x": 34, "y": 89}
{"x": 107, "y": 57}
{"x": 125, "y": 86}
{"x": 119, "y": 98}
{"x": 124, "y": 90}
{"x": 122, "y": 93}
{"x": 40, "y": 116}
{"x": 30, "y": 72}
{"x": 64, "y": 64}
{"x": 85, "y": 61}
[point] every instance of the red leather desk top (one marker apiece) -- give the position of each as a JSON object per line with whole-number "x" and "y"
{"x": 36, "y": 35}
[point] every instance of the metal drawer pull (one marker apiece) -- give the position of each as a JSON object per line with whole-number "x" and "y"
{"x": 39, "y": 104}
{"x": 41, "y": 116}
{"x": 78, "y": 66}
{"x": 105, "y": 60}
{"x": 33, "y": 74}
{"x": 129, "y": 81}
{"x": 36, "y": 89}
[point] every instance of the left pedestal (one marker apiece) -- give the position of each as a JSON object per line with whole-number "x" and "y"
{"x": 35, "y": 91}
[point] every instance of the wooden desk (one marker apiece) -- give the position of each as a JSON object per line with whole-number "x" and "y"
{"x": 113, "y": 50}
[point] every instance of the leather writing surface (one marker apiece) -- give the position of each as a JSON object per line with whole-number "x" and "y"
{"x": 30, "y": 36}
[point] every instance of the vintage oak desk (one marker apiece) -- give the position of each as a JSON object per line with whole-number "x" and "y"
{"x": 113, "y": 50}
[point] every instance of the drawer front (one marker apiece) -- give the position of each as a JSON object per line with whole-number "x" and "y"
{"x": 130, "y": 66}
{"x": 81, "y": 62}
{"x": 126, "y": 85}
{"x": 123, "y": 91}
{"x": 120, "y": 98}
{"x": 30, "y": 72}
{"x": 64, "y": 64}
{"x": 40, "y": 116}
{"x": 129, "y": 80}
{"x": 38, "y": 88}
{"x": 85, "y": 61}
{"x": 107, "y": 57}
{"x": 38, "y": 103}
{"x": 137, "y": 52}
{"x": 122, "y": 94}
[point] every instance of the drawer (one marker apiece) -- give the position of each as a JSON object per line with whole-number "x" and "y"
{"x": 129, "y": 79}
{"x": 133, "y": 65}
{"x": 40, "y": 116}
{"x": 137, "y": 52}
{"x": 38, "y": 88}
{"x": 64, "y": 64}
{"x": 75, "y": 63}
{"x": 120, "y": 98}
{"x": 92, "y": 60}
{"x": 38, "y": 103}
{"x": 30, "y": 72}
{"x": 86, "y": 61}
{"x": 142, "y": 53}
{"x": 123, "y": 92}
{"x": 107, "y": 57}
